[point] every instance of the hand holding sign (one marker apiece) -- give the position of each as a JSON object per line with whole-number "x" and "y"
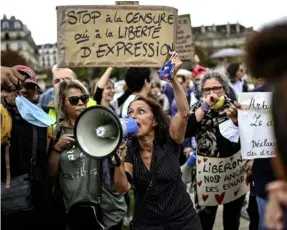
{"x": 232, "y": 112}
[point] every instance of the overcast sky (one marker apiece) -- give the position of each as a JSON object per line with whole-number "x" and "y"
{"x": 40, "y": 16}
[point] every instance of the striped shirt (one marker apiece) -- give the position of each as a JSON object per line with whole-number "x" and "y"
{"x": 167, "y": 204}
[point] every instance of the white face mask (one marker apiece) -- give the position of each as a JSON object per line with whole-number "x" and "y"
{"x": 32, "y": 113}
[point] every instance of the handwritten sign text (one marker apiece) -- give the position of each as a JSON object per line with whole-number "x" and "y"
{"x": 220, "y": 180}
{"x": 256, "y": 126}
{"x": 119, "y": 35}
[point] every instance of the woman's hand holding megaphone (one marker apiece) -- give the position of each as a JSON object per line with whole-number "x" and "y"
{"x": 65, "y": 142}
{"x": 232, "y": 112}
{"x": 122, "y": 151}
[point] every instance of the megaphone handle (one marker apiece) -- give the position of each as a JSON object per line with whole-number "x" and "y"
{"x": 115, "y": 160}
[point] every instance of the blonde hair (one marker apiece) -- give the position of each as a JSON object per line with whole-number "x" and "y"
{"x": 61, "y": 96}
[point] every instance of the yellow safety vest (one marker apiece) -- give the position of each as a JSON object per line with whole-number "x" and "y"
{"x": 6, "y": 124}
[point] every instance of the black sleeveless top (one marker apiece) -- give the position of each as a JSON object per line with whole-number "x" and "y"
{"x": 167, "y": 204}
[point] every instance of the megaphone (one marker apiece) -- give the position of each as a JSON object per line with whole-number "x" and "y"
{"x": 186, "y": 169}
{"x": 99, "y": 132}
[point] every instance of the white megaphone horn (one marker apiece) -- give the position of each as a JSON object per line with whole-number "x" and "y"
{"x": 186, "y": 169}
{"x": 99, "y": 132}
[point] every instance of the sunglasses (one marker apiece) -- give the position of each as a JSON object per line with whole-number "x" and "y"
{"x": 75, "y": 99}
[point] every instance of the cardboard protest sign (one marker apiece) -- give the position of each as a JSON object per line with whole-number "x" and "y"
{"x": 220, "y": 180}
{"x": 120, "y": 36}
{"x": 184, "y": 43}
{"x": 256, "y": 126}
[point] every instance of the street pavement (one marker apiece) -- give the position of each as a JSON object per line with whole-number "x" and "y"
{"x": 244, "y": 224}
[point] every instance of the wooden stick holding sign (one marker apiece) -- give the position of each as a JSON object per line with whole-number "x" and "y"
{"x": 119, "y": 36}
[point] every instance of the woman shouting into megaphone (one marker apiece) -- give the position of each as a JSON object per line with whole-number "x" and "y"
{"x": 151, "y": 164}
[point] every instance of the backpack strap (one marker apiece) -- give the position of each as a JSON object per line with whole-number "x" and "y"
{"x": 6, "y": 124}
{"x": 7, "y": 163}
{"x": 50, "y": 137}
{"x": 34, "y": 150}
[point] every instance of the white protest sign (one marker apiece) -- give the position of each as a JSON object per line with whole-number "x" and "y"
{"x": 220, "y": 180}
{"x": 256, "y": 126}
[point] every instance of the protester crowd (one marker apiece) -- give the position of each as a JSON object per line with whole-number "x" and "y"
{"x": 66, "y": 189}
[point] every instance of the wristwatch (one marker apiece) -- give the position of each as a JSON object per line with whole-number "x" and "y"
{"x": 205, "y": 107}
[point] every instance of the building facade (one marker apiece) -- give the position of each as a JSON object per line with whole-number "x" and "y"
{"x": 215, "y": 37}
{"x": 48, "y": 55}
{"x": 15, "y": 36}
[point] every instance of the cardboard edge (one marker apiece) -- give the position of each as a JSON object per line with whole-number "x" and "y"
{"x": 147, "y": 7}
{"x": 60, "y": 38}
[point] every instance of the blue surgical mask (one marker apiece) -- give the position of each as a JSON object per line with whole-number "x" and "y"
{"x": 32, "y": 113}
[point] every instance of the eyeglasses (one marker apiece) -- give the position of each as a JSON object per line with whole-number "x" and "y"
{"x": 75, "y": 99}
{"x": 216, "y": 89}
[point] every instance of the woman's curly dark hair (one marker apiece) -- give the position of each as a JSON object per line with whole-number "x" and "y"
{"x": 266, "y": 57}
{"x": 266, "y": 52}
{"x": 162, "y": 129}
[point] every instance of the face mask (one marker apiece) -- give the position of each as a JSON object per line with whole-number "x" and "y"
{"x": 32, "y": 113}
{"x": 218, "y": 104}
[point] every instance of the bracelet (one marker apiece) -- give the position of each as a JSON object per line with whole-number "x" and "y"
{"x": 55, "y": 150}
{"x": 205, "y": 107}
